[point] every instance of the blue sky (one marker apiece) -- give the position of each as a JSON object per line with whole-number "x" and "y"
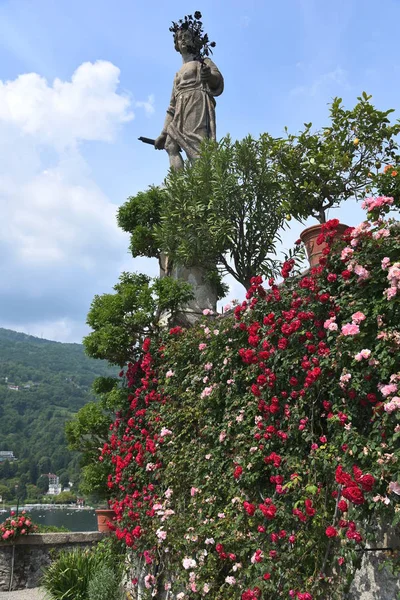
{"x": 80, "y": 81}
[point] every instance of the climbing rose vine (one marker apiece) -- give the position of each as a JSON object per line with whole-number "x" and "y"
{"x": 256, "y": 450}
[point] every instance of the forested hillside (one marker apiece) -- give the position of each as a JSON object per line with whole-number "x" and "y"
{"x": 42, "y": 384}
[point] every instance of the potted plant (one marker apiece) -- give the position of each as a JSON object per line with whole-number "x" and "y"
{"x": 322, "y": 169}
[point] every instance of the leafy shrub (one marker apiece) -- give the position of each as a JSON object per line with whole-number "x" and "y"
{"x": 51, "y": 529}
{"x": 76, "y": 574}
{"x": 68, "y": 577}
{"x": 105, "y": 585}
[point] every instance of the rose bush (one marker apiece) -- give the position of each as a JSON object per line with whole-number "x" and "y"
{"x": 256, "y": 450}
{"x": 16, "y": 525}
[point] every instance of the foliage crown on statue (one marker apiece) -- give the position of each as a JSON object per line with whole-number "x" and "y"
{"x": 201, "y": 45}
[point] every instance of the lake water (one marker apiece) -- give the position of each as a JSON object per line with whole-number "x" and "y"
{"x": 72, "y": 519}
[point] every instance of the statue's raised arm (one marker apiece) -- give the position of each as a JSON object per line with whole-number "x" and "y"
{"x": 191, "y": 112}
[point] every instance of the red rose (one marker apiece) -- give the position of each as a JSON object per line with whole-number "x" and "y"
{"x": 343, "y": 506}
{"x": 342, "y": 477}
{"x": 354, "y": 494}
{"x": 309, "y": 507}
{"x": 175, "y": 330}
{"x": 146, "y": 344}
{"x": 253, "y": 340}
{"x": 367, "y": 482}
{"x": 268, "y": 511}
{"x": 249, "y": 508}
{"x": 237, "y": 472}
{"x": 331, "y": 532}
{"x": 282, "y": 343}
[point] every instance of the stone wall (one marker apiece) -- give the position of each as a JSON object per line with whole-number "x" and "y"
{"x": 34, "y": 552}
{"x": 372, "y": 581}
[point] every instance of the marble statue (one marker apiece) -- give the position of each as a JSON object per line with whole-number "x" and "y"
{"x": 191, "y": 112}
{"x": 190, "y": 119}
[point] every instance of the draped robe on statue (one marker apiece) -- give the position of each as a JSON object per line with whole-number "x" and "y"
{"x": 192, "y": 108}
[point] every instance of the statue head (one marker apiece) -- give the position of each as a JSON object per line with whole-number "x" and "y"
{"x": 190, "y": 38}
{"x": 185, "y": 41}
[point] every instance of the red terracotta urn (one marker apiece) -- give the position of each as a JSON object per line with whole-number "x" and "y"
{"x": 104, "y": 516}
{"x": 313, "y": 249}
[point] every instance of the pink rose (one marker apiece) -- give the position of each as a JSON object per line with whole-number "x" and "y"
{"x": 390, "y": 293}
{"x": 350, "y": 329}
{"x": 365, "y": 353}
{"x": 386, "y": 390}
{"x": 357, "y": 317}
{"x": 361, "y": 271}
{"x": 346, "y": 253}
{"x": 394, "y": 487}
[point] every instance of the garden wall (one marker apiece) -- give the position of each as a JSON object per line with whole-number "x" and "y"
{"x": 371, "y": 581}
{"x": 34, "y": 552}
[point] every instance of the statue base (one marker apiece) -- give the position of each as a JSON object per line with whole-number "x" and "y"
{"x": 205, "y": 295}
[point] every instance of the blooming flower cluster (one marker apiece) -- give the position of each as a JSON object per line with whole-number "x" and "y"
{"x": 259, "y": 484}
{"x": 16, "y": 525}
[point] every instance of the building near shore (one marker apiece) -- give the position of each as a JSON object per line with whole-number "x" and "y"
{"x": 54, "y": 485}
{"x": 7, "y": 455}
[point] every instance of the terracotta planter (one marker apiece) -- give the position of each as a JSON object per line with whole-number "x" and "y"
{"x": 104, "y": 516}
{"x": 309, "y": 239}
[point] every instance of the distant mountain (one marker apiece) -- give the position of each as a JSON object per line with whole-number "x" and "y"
{"x": 42, "y": 385}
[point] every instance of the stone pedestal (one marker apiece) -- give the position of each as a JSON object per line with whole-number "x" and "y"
{"x": 205, "y": 295}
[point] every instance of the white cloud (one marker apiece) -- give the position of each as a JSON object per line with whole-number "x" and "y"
{"x": 86, "y": 108}
{"x": 61, "y": 330}
{"x": 148, "y": 105}
{"x": 59, "y": 241}
{"x": 336, "y": 77}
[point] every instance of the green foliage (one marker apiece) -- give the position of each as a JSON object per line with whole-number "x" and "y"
{"x": 387, "y": 182}
{"x": 73, "y": 575}
{"x": 320, "y": 170}
{"x": 54, "y": 381}
{"x": 86, "y": 432}
{"x": 121, "y": 320}
{"x": 140, "y": 216}
{"x": 43, "y": 484}
{"x": 68, "y": 577}
{"x": 65, "y": 498}
{"x": 51, "y": 529}
{"x": 5, "y": 492}
{"x": 111, "y": 552}
{"x": 105, "y": 585}
{"x": 225, "y": 209}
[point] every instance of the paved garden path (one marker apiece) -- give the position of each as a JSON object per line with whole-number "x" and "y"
{"x": 31, "y": 594}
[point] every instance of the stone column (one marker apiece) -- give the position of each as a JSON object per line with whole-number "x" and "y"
{"x": 205, "y": 295}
